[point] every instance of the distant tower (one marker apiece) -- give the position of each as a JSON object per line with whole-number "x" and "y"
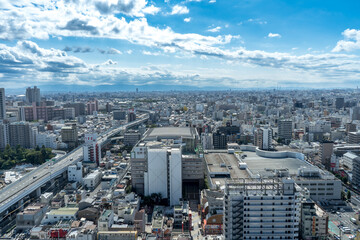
{"x": 137, "y": 90}
{"x": 33, "y": 95}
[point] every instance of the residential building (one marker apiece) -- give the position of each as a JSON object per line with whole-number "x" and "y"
{"x": 20, "y": 134}
{"x": 263, "y": 138}
{"x": 314, "y": 221}
{"x": 69, "y": 135}
{"x": 262, "y": 208}
{"x": 91, "y": 149}
{"x": 354, "y": 137}
{"x": 33, "y": 95}
{"x": 2, "y": 104}
{"x": 75, "y": 172}
{"x": 119, "y": 115}
{"x": 92, "y": 180}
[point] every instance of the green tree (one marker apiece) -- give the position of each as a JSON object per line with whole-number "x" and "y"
{"x": 348, "y": 195}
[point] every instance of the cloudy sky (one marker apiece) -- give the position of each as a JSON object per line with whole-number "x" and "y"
{"x": 181, "y": 44}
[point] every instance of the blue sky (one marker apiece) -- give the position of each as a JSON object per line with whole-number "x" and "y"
{"x": 191, "y": 43}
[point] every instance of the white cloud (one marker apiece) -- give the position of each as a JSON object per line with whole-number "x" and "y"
{"x": 212, "y": 1}
{"x": 274, "y": 35}
{"x": 151, "y": 10}
{"x": 178, "y": 9}
{"x": 215, "y": 29}
{"x": 187, "y": 19}
{"x": 351, "y": 42}
{"x": 151, "y": 53}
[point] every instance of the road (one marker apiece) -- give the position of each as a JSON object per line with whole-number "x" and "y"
{"x": 49, "y": 170}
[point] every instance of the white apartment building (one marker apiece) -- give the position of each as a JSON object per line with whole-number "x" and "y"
{"x": 46, "y": 139}
{"x": 75, "y": 172}
{"x": 91, "y": 149}
{"x": 92, "y": 180}
{"x": 261, "y": 209}
{"x": 164, "y": 174}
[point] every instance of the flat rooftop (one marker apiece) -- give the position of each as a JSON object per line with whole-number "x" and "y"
{"x": 222, "y": 166}
{"x": 260, "y": 165}
{"x": 170, "y": 132}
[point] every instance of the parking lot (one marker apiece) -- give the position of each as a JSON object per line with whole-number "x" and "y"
{"x": 342, "y": 219}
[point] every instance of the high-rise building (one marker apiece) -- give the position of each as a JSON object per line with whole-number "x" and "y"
{"x": 314, "y": 221}
{"x": 131, "y": 116}
{"x": 355, "y": 113}
{"x": 285, "y": 131}
{"x": 20, "y": 134}
{"x": 2, "y": 104}
{"x": 92, "y": 106}
{"x": 219, "y": 140}
{"x": 356, "y": 172}
{"x": 262, "y": 209}
{"x": 325, "y": 152}
{"x": 91, "y": 149}
{"x": 4, "y": 135}
{"x": 339, "y": 102}
{"x": 33, "y": 95}
{"x": 79, "y": 108}
{"x": 263, "y": 138}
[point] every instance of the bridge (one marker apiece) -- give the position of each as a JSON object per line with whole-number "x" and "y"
{"x": 11, "y": 197}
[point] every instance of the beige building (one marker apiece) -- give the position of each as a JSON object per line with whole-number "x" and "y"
{"x": 69, "y": 135}
{"x": 314, "y": 221}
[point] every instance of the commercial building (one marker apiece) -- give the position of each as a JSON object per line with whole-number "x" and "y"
{"x": 56, "y": 215}
{"x": 131, "y": 116}
{"x": 261, "y": 208}
{"x": 350, "y": 127}
{"x": 2, "y": 104}
{"x": 167, "y": 161}
{"x": 131, "y": 138}
{"x": 325, "y": 152}
{"x": 285, "y": 131}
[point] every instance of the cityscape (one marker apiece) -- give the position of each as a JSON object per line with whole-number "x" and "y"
{"x": 179, "y": 120}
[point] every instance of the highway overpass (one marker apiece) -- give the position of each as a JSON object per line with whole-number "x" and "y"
{"x": 11, "y": 197}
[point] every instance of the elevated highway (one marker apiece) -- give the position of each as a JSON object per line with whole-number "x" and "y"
{"x": 13, "y": 194}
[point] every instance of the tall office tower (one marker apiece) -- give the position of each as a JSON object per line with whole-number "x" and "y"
{"x": 326, "y": 150}
{"x": 263, "y": 138}
{"x": 339, "y": 103}
{"x": 285, "y": 130}
{"x": 2, "y": 104}
{"x": 91, "y": 149}
{"x": 261, "y": 209}
{"x": 20, "y": 134}
{"x": 4, "y": 135}
{"x": 33, "y": 95}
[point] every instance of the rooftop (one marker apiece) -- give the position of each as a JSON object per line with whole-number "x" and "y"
{"x": 170, "y": 132}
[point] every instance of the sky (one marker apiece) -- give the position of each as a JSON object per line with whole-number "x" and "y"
{"x": 189, "y": 44}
